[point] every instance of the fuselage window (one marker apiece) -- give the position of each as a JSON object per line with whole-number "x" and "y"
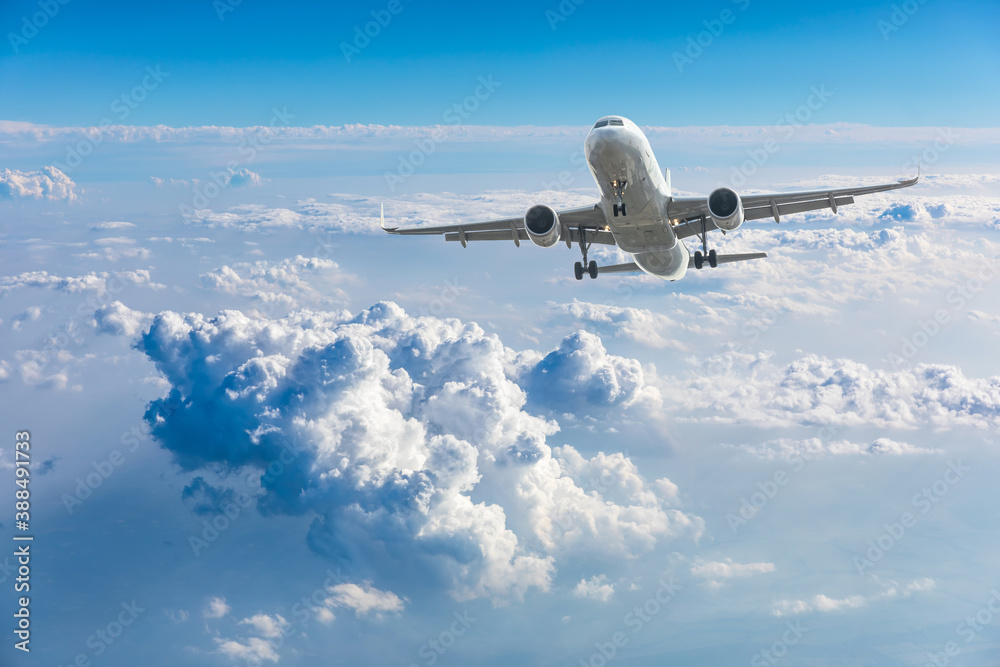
{"x": 616, "y": 122}
{"x": 600, "y": 123}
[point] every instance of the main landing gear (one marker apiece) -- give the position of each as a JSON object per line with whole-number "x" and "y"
{"x": 589, "y": 267}
{"x": 619, "y": 189}
{"x": 701, "y": 255}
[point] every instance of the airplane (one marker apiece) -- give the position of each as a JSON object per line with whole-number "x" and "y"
{"x": 638, "y": 213}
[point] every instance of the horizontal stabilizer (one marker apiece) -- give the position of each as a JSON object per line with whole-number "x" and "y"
{"x": 726, "y": 259}
{"x": 619, "y": 268}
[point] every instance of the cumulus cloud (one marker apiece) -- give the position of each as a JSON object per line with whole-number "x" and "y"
{"x": 266, "y": 626}
{"x": 216, "y": 607}
{"x": 594, "y": 588}
{"x": 240, "y": 178}
{"x": 580, "y": 369}
{"x": 717, "y": 573}
{"x": 97, "y": 282}
{"x": 364, "y": 599}
{"x": 243, "y": 178}
{"x": 252, "y": 651}
{"x": 386, "y": 424}
{"x": 118, "y": 319}
{"x": 636, "y": 324}
{"x": 824, "y": 603}
{"x": 49, "y": 183}
{"x": 744, "y": 388}
{"x": 285, "y": 283}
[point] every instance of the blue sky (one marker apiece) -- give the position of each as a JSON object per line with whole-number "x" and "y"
{"x": 933, "y": 70}
{"x": 269, "y": 434}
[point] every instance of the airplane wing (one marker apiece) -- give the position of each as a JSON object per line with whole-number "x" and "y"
{"x": 587, "y": 218}
{"x": 686, "y": 213}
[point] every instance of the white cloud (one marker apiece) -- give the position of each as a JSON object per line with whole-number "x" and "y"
{"x": 253, "y": 651}
{"x": 400, "y": 420}
{"x": 49, "y": 183}
{"x": 242, "y": 178}
{"x": 285, "y": 283}
{"x": 716, "y": 573}
{"x": 239, "y": 178}
{"x": 97, "y": 282}
{"x": 594, "y": 589}
{"x": 216, "y": 607}
{"x": 824, "y": 603}
{"x": 788, "y": 448}
{"x": 118, "y": 319}
{"x": 30, "y": 314}
{"x": 104, "y": 226}
{"x": 364, "y": 599}
{"x": 266, "y": 626}
{"x": 352, "y": 134}
{"x": 743, "y": 388}
{"x": 636, "y": 324}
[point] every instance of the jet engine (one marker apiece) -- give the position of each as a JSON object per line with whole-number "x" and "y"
{"x": 542, "y": 225}
{"x": 726, "y": 209}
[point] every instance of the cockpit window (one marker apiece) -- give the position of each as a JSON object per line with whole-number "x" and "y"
{"x": 600, "y": 123}
{"x": 616, "y": 122}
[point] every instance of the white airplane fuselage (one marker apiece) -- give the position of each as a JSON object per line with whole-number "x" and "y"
{"x": 617, "y": 153}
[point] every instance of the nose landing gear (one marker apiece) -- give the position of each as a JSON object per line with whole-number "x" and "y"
{"x": 619, "y": 190}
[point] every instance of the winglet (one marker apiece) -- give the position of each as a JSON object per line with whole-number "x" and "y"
{"x": 381, "y": 219}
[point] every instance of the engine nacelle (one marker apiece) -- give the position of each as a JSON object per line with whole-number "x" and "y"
{"x": 726, "y": 209}
{"x": 542, "y": 225}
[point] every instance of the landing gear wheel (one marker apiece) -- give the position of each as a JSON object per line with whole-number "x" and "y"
{"x": 592, "y": 269}
{"x": 713, "y": 259}
{"x": 578, "y": 270}
{"x": 699, "y": 259}
{"x": 615, "y": 208}
{"x": 623, "y": 210}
